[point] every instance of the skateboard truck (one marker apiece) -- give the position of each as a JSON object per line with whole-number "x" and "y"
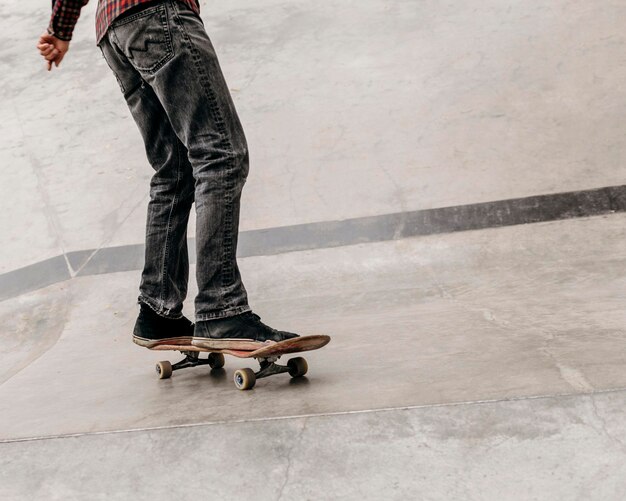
{"x": 192, "y": 358}
{"x": 245, "y": 379}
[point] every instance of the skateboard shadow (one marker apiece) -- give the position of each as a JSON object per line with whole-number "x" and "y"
{"x": 299, "y": 381}
{"x": 217, "y": 374}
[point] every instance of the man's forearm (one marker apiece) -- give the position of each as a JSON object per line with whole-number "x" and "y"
{"x": 65, "y": 14}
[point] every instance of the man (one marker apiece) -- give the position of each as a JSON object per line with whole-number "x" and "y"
{"x": 169, "y": 74}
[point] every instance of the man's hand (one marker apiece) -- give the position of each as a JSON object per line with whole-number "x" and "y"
{"x": 52, "y": 49}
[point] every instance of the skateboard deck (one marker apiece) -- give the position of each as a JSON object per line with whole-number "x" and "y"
{"x": 245, "y": 379}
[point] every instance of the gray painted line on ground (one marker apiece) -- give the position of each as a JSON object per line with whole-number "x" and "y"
{"x": 540, "y": 208}
{"x": 32, "y": 277}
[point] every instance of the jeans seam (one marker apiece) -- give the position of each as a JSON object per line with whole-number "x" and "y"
{"x": 168, "y": 233}
{"x": 119, "y": 81}
{"x": 229, "y": 312}
{"x": 226, "y": 268}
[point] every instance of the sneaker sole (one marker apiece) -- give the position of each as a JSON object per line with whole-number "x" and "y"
{"x": 172, "y": 341}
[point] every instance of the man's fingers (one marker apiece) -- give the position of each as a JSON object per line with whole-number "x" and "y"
{"x": 43, "y": 41}
{"x": 52, "y": 49}
{"x": 55, "y": 60}
{"x": 46, "y": 51}
{"x": 52, "y": 55}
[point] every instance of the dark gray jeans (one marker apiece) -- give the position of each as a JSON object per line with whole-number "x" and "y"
{"x": 169, "y": 74}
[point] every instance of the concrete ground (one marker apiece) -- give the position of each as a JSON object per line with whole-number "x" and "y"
{"x": 483, "y": 364}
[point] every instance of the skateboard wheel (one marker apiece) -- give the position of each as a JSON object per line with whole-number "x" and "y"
{"x": 297, "y": 367}
{"x": 216, "y": 360}
{"x": 164, "y": 370}
{"x": 244, "y": 379}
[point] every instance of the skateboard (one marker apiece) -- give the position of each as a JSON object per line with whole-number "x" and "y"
{"x": 245, "y": 379}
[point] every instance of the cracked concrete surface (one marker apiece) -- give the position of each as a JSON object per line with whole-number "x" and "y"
{"x": 295, "y": 445}
{"x": 543, "y": 449}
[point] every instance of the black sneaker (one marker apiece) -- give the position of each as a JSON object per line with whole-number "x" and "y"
{"x": 240, "y": 332}
{"x": 153, "y": 330}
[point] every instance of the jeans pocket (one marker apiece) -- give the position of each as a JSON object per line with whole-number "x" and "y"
{"x": 145, "y": 38}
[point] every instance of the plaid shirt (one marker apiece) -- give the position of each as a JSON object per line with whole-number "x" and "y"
{"x": 65, "y": 13}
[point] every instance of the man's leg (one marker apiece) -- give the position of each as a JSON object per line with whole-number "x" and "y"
{"x": 164, "y": 278}
{"x": 170, "y": 49}
{"x": 166, "y": 272}
{"x": 168, "y": 45}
